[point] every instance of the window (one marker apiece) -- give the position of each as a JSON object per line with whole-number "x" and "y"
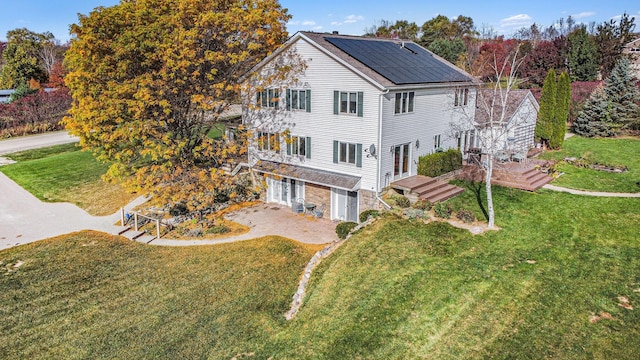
{"x": 348, "y": 103}
{"x": 461, "y": 97}
{"x": 436, "y": 142}
{"x": 299, "y": 100}
{"x": 404, "y": 102}
{"x": 269, "y": 98}
{"x": 347, "y": 153}
{"x": 268, "y": 141}
{"x": 299, "y": 145}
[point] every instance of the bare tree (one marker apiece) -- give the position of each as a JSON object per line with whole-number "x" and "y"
{"x": 47, "y": 55}
{"x": 491, "y": 117}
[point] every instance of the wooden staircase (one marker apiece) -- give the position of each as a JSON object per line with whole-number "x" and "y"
{"x": 426, "y": 188}
{"x": 527, "y": 179}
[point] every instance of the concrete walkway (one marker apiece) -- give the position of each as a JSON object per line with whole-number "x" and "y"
{"x": 24, "y": 218}
{"x": 590, "y": 193}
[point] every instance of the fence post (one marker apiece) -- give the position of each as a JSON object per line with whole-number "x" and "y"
{"x": 135, "y": 220}
{"x": 158, "y": 229}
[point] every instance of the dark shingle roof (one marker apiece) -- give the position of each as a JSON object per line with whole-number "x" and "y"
{"x": 485, "y": 98}
{"x": 390, "y": 62}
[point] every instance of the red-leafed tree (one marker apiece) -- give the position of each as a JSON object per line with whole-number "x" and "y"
{"x": 494, "y": 54}
{"x": 545, "y": 56}
{"x": 38, "y": 112}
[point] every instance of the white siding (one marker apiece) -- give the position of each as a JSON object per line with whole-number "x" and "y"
{"x": 323, "y": 76}
{"x": 433, "y": 114}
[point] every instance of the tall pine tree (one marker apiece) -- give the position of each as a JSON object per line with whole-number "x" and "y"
{"x": 563, "y": 98}
{"x": 623, "y": 95}
{"x": 544, "y": 126}
{"x": 582, "y": 56}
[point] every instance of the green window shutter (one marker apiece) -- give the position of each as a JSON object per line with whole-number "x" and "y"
{"x": 336, "y": 102}
{"x": 308, "y": 143}
{"x": 288, "y": 144}
{"x": 258, "y": 98}
{"x": 359, "y": 155}
{"x": 288, "y": 99}
{"x": 308, "y": 102}
{"x": 360, "y": 102}
{"x": 335, "y": 151}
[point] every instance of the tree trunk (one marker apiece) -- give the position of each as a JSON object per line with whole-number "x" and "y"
{"x": 487, "y": 182}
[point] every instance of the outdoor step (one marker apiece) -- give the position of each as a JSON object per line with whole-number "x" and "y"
{"x": 410, "y": 183}
{"x": 145, "y": 238}
{"x": 432, "y": 186}
{"x": 446, "y": 195}
{"x": 436, "y": 192}
{"x": 122, "y": 229}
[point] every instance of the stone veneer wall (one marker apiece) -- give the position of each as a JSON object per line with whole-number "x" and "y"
{"x": 318, "y": 195}
{"x": 368, "y": 200}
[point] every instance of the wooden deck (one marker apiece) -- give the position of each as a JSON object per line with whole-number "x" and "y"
{"x": 519, "y": 175}
{"x": 427, "y": 188}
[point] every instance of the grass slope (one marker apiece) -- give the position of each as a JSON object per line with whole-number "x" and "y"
{"x": 406, "y": 290}
{"x": 623, "y": 151}
{"x": 65, "y": 174}
{"x": 90, "y": 295}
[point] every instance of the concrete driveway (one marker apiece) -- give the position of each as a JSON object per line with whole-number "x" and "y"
{"x": 36, "y": 141}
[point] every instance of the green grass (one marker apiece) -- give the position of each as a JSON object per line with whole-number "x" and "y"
{"x": 95, "y": 296}
{"x": 63, "y": 173}
{"x": 396, "y": 290}
{"x": 622, "y": 151}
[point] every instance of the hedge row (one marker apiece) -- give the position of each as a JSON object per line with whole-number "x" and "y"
{"x": 440, "y": 163}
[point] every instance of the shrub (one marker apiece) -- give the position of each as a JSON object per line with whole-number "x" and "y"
{"x": 415, "y": 214}
{"x": 220, "y": 229}
{"x": 344, "y": 228}
{"x": 440, "y": 163}
{"x": 178, "y": 209}
{"x": 397, "y": 200}
{"x": 364, "y": 216}
{"x": 465, "y": 216}
{"x": 422, "y": 204}
{"x": 443, "y": 210}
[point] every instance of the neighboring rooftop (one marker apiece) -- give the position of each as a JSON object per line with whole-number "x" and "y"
{"x": 516, "y": 97}
{"x": 390, "y": 62}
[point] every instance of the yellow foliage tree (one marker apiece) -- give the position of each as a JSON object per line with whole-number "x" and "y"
{"x": 150, "y": 77}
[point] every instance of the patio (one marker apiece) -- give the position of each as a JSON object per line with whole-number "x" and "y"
{"x": 271, "y": 219}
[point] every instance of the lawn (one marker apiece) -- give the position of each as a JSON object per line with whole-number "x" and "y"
{"x": 622, "y": 151}
{"x": 549, "y": 284}
{"x": 63, "y": 173}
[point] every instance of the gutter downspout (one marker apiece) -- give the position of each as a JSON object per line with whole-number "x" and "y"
{"x": 378, "y": 187}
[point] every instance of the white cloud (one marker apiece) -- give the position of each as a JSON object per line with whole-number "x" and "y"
{"x": 317, "y": 28}
{"x": 583, "y": 14}
{"x": 353, "y": 19}
{"x": 516, "y": 21}
{"x": 308, "y": 23}
{"x": 334, "y": 23}
{"x": 292, "y": 23}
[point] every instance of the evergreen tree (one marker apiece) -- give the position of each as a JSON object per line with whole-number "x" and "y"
{"x": 594, "y": 119}
{"x": 582, "y": 56}
{"x": 544, "y": 127}
{"x": 622, "y": 92}
{"x": 563, "y": 98}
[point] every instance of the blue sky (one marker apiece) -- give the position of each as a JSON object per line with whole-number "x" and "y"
{"x": 348, "y": 17}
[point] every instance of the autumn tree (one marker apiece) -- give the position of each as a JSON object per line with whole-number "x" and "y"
{"x": 611, "y": 37}
{"x": 22, "y": 58}
{"x": 494, "y": 102}
{"x": 150, "y": 77}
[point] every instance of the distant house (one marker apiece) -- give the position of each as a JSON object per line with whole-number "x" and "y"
{"x": 358, "y": 118}
{"x": 518, "y": 122}
{"x": 632, "y": 49}
{"x": 5, "y": 95}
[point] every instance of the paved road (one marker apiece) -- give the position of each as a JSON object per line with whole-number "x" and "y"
{"x": 35, "y": 141}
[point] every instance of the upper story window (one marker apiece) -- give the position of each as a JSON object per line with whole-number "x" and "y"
{"x": 299, "y": 100}
{"x": 461, "y": 96}
{"x": 347, "y": 153}
{"x": 404, "y": 102}
{"x": 299, "y": 145}
{"x": 268, "y": 98}
{"x": 268, "y": 141}
{"x": 348, "y": 103}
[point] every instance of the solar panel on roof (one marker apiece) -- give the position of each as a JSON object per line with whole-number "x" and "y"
{"x": 401, "y": 63}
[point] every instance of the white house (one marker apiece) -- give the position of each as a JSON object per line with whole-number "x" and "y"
{"x": 515, "y": 128}
{"x": 355, "y": 120}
